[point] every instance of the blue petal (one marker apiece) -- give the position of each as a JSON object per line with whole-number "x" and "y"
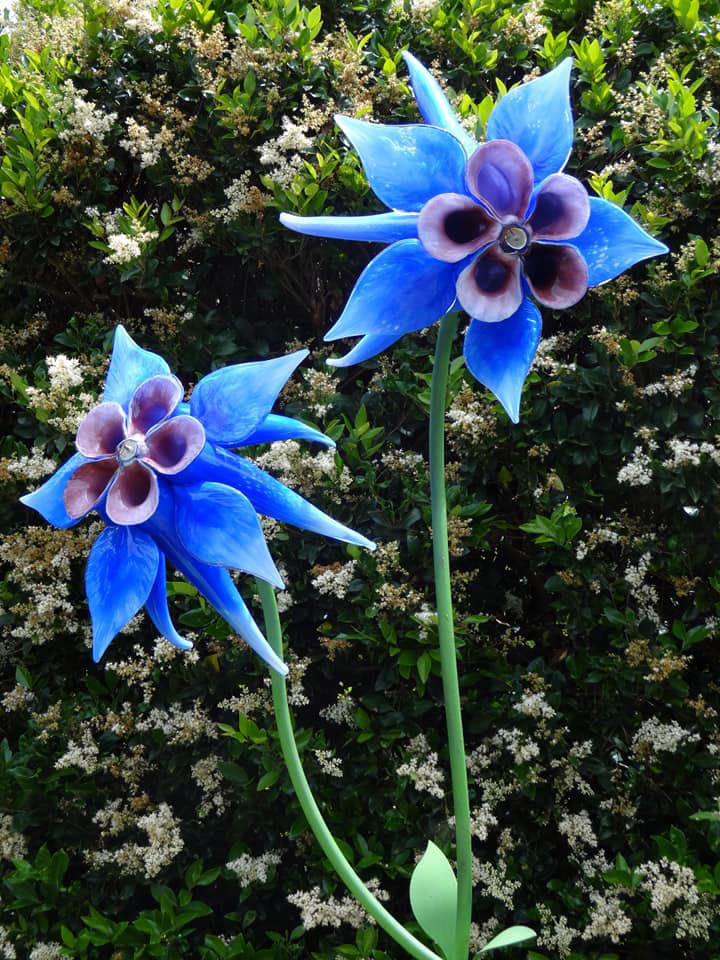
{"x": 401, "y": 290}
{"x": 119, "y": 576}
{"x": 537, "y": 117}
{"x": 499, "y": 355}
{"x": 266, "y": 494}
{"x": 214, "y": 583}
{"x": 275, "y": 427}
{"x": 612, "y": 242}
{"x": 232, "y": 402}
{"x": 130, "y": 365}
{"x": 157, "y": 608}
{"x": 218, "y": 526}
{"x": 48, "y": 499}
{"x": 377, "y": 228}
{"x": 364, "y": 349}
{"x": 433, "y": 104}
{"x": 407, "y": 164}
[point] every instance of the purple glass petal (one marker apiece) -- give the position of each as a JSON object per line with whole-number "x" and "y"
{"x": 173, "y": 445}
{"x": 152, "y": 402}
{"x": 87, "y": 485}
{"x": 556, "y": 274}
{"x": 500, "y": 175}
{"x": 133, "y": 495}
{"x": 490, "y": 289}
{"x": 101, "y": 431}
{"x": 451, "y": 227}
{"x": 562, "y": 209}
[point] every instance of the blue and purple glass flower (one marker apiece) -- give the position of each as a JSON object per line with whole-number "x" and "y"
{"x": 159, "y": 472}
{"x": 492, "y": 227}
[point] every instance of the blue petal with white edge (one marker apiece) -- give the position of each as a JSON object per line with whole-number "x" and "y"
{"x": 407, "y": 164}
{"x": 269, "y": 497}
{"x": 401, "y": 290}
{"x": 499, "y": 355}
{"x": 157, "y": 608}
{"x": 376, "y": 228}
{"x": 364, "y": 349}
{"x": 130, "y": 365}
{"x": 232, "y": 402}
{"x": 612, "y": 242}
{"x": 48, "y": 499}
{"x": 276, "y": 427}
{"x": 219, "y": 526}
{"x": 537, "y": 117}
{"x": 433, "y": 104}
{"x": 214, "y": 583}
{"x": 119, "y": 576}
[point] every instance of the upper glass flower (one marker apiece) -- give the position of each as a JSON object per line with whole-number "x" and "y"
{"x": 157, "y": 471}
{"x": 491, "y": 227}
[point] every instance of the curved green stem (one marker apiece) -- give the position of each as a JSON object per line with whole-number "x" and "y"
{"x": 310, "y": 808}
{"x": 446, "y": 632}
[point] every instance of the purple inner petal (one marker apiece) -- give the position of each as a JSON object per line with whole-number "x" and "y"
{"x": 133, "y": 495}
{"x": 499, "y": 174}
{"x": 562, "y": 209}
{"x": 489, "y": 289}
{"x": 172, "y": 446}
{"x": 452, "y": 226}
{"x": 86, "y": 485}
{"x": 153, "y": 401}
{"x": 557, "y": 274}
{"x": 101, "y": 431}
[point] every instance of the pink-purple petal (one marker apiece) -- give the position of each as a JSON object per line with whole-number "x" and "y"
{"x": 490, "y": 289}
{"x": 133, "y": 495}
{"x": 101, "y": 431}
{"x": 152, "y": 402}
{"x": 500, "y": 175}
{"x": 87, "y": 485}
{"x": 562, "y": 209}
{"x": 174, "y": 444}
{"x": 556, "y": 274}
{"x": 451, "y": 227}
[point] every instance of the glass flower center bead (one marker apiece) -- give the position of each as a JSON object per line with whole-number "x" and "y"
{"x": 514, "y": 239}
{"x": 126, "y": 451}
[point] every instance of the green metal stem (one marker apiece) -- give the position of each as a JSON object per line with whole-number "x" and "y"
{"x": 446, "y": 633}
{"x": 310, "y": 808}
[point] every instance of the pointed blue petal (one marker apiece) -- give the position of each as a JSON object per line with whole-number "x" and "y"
{"x": 499, "y": 355}
{"x": 612, "y": 242}
{"x": 407, "y": 164}
{"x": 433, "y": 104}
{"x": 48, "y": 499}
{"x": 231, "y": 402}
{"x": 537, "y": 117}
{"x": 377, "y": 228}
{"x": 130, "y": 365}
{"x": 275, "y": 427}
{"x": 401, "y": 290}
{"x": 119, "y": 576}
{"x": 364, "y": 349}
{"x": 218, "y": 526}
{"x": 267, "y": 495}
{"x": 157, "y": 608}
{"x": 214, "y": 583}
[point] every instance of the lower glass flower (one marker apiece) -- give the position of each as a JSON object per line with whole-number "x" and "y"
{"x": 158, "y": 472}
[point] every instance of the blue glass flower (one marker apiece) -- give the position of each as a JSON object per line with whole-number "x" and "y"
{"x": 492, "y": 227}
{"x": 160, "y": 474}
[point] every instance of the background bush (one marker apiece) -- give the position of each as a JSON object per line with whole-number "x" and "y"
{"x": 144, "y": 809}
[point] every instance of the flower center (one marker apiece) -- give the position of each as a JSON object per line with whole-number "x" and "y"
{"x": 514, "y": 239}
{"x": 126, "y": 451}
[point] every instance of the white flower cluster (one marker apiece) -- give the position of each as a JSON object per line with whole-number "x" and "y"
{"x": 64, "y": 373}
{"x": 207, "y": 776}
{"x": 686, "y": 453}
{"x": 555, "y": 932}
{"x": 607, "y": 918}
{"x": 481, "y": 822}
{"x": 403, "y": 461}
{"x": 329, "y": 763}
{"x": 12, "y": 845}
{"x": 144, "y": 146}
{"x": 534, "y": 705}
{"x": 577, "y": 830}
{"x": 7, "y": 950}
{"x": 673, "y": 384}
{"x": 422, "y": 768}
{"x": 494, "y": 882}
{"x": 250, "y": 869}
{"x": 124, "y": 249}
{"x": 522, "y": 748}
{"x": 636, "y": 472}
{"x": 546, "y": 362}
{"x": 674, "y": 897}
{"x": 135, "y": 15}
{"x": 17, "y": 698}
{"x": 83, "y": 755}
{"x": 247, "y": 702}
{"x": 82, "y": 117}
{"x": 178, "y": 725}
{"x": 282, "y": 154}
{"x": 46, "y": 950}
{"x": 33, "y": 467}
{"x": 241, "y": 198}
{"x": 342, "y": 711}
{"x": 301, "y": 470}
{"x": 644, "y": 593}
{"x": 165, "y": 841}
{"x": 335, "y": 580}
{"x": 654, "y": 737}
{"x": 332, "y": 912}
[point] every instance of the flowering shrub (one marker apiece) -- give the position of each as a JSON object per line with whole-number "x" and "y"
{"x": 144, "y": 810}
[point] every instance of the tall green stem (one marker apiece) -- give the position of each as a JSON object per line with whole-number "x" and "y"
{"x": 310, "y": 808}
{"x": 446, "y": 632}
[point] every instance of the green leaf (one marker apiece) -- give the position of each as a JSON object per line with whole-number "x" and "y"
{"x": 509, "y": 938}
{"x": 433, "y": 897}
